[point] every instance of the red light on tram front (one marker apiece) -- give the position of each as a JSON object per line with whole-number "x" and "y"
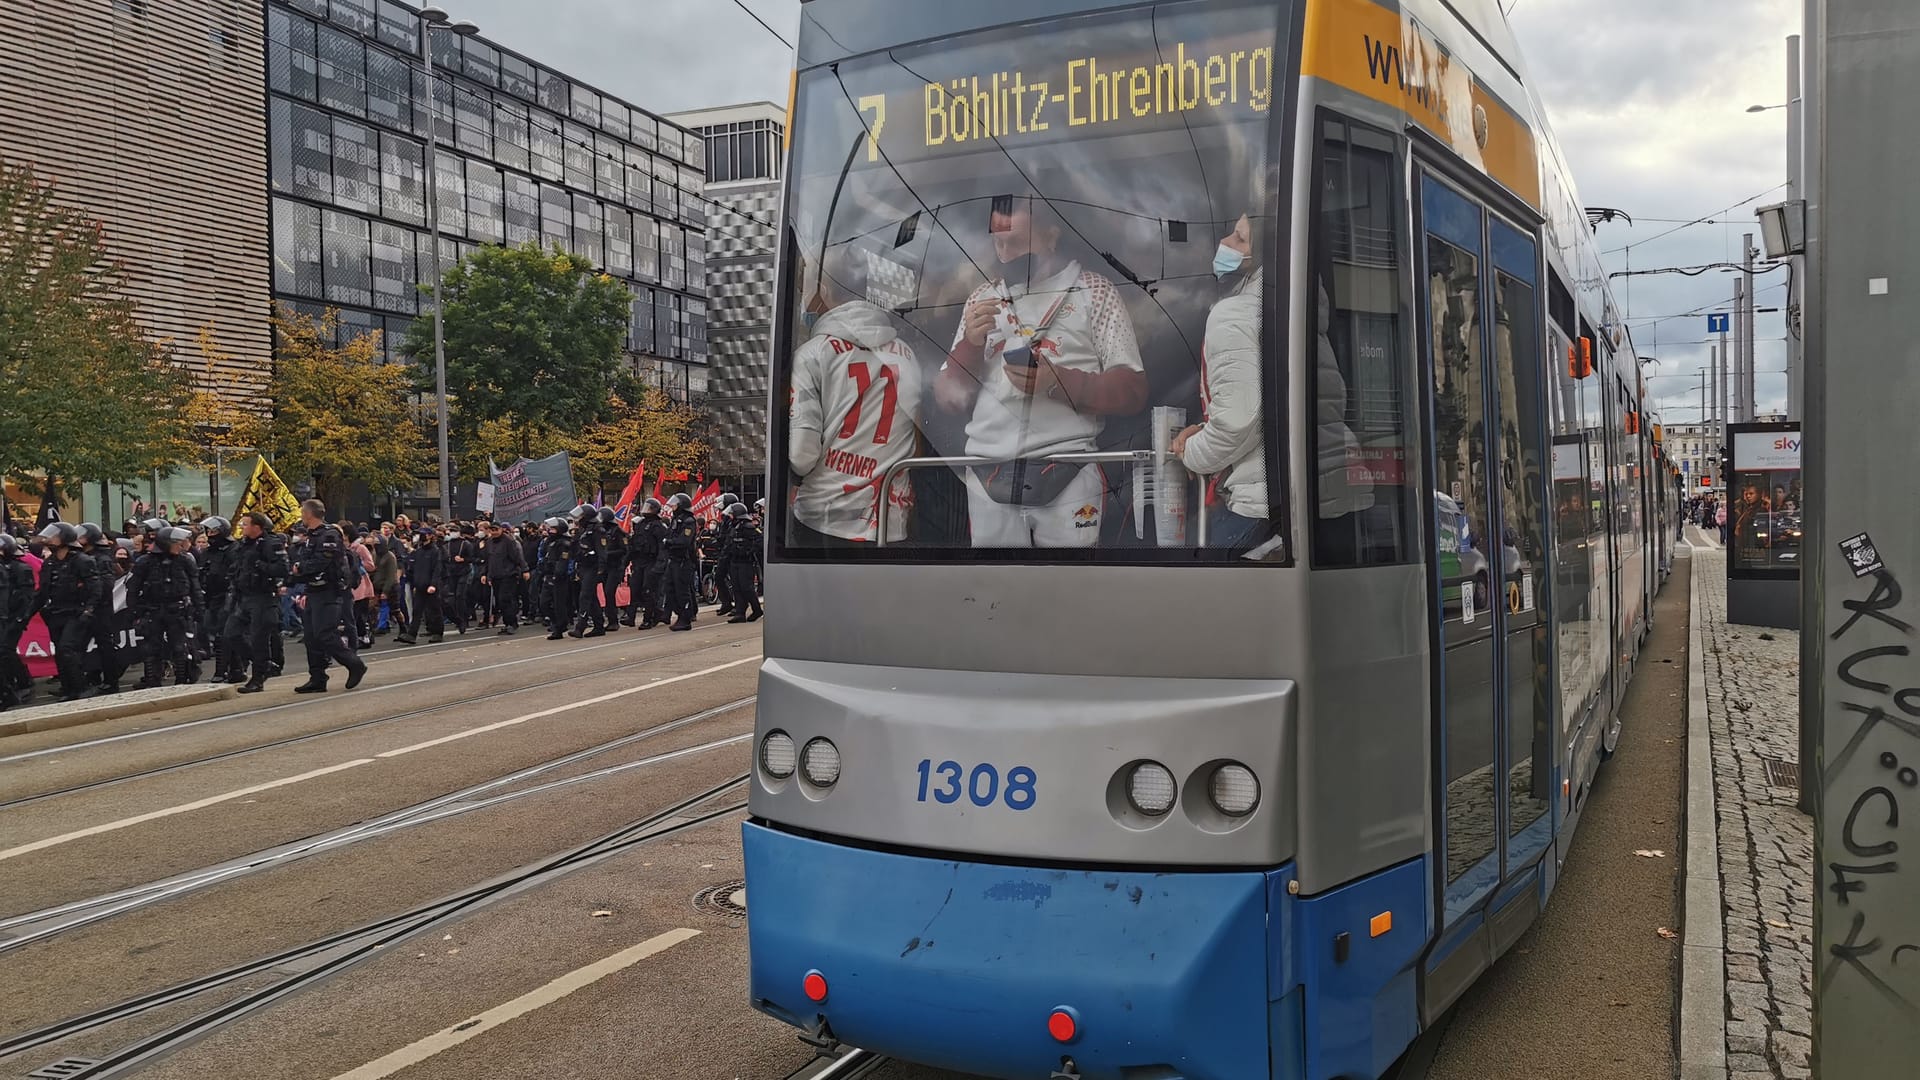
{"x": 815, "y": 984}
{"x": 1062, "y": 1026}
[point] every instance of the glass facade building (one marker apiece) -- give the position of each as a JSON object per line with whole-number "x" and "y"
{"x": 524, "y": 154}
{"x": 746, "y": 155}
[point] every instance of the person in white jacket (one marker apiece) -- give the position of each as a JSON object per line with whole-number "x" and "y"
{"x": 856, "y": 390}
{"x": 1229, "y": 443}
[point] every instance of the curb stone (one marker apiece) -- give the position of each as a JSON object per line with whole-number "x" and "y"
{"x": 53, "y": 716}
{"x": 1703, "y": 972}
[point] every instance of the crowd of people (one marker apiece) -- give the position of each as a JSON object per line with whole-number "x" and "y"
{"x": 232, "y": 595}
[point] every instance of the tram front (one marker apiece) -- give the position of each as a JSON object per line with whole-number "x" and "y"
{"x": 1034, "y": 782}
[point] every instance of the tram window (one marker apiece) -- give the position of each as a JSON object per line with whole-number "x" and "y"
{"x": 1061, "y": 296}
{"x": 1359, "y": 377}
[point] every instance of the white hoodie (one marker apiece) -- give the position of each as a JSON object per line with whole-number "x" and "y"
{"x": 855, "y": 394}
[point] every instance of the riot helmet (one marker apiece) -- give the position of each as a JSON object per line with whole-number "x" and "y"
{"x": 608, "y": 517}
{"x": 9, "y": 547}
{"x": 176, "y": 535}
{"x": 760, "y": 504}
{"x": 92, "y": 535}
{"x": 217, "y": 526}
{"x": 680, "y": 501}
{"x": 60, "y": 534}
{"x": 736, "y": 510}
{"x": 728, "y": 500}
{"x": 579, "y": 512}
{"x": 650, "y": 508}
{"x": 153, "y": 525}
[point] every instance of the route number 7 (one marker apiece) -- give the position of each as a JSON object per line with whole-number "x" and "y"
{"x": 877, "y": 103}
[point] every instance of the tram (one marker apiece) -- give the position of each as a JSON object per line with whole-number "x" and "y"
{"x": 1215, "y": 522}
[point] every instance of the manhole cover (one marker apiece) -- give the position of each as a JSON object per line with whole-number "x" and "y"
{"x": 728, "y": 900}
{"x": 1784, "y": 774}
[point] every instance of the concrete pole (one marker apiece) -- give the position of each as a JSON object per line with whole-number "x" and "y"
{"x": 427, "y": 26}
{"x": 1862, "y": 380}
{"x": 1796, "y": 166}
{"x": 1710, "y": 417}
{"x": 1747, "y": 404}
{"x": 1739, "y": 351}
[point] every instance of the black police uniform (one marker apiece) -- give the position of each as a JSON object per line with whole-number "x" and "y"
{"x": 741, "y": 550}
{"x": 16, "y": 607}
{"x": 643, "y": 553}
{"x": 66, "y": 598}
{"x": 460, "y": 553}
{"x": 161, "y": 590}
{"x": 322, "y": 567}
{"x": 215, "y": 563}
{"x": 505, "y": 563}
{"x": 109, "y": 661}
{"x": 257, "y": 571}
{"x": 590, "y": 562}
{"x": 556, "y": 572}
{"x": 614, "y": 573}
{"x": 681, "y": 549}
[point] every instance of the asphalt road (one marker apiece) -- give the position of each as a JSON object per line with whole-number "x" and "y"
{"x": 633, "y": 965}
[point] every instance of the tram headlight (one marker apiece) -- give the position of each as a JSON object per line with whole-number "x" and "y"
{"x": 1150, "y": 788}
{"x": 777, "y": 755}
{"x": 821, "y": 760}
{"x": 1234, "y": 789}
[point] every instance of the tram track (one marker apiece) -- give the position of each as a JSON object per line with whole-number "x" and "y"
{"x": 853, "y": 1064}
{"x": 328, "y": 956}
{"x": 28, "y": 928}
{"x": 292, "y": 740}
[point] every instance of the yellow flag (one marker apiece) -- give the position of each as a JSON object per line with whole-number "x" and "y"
{"x": 268, "y": 495}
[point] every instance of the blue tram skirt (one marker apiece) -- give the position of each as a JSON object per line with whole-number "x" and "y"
{"x": 963, "y": 965}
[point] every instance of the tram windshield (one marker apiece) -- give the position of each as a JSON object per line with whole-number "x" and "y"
{"x": 1028, "y": 276}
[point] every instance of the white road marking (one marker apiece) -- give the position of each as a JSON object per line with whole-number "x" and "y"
{"x": 213, "y": 800}
{"x": 155, "y": 815}
{"x": 614, "y": 696}
{"x": 472, "y": 1027}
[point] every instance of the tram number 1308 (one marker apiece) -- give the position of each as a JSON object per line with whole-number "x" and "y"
{"x": 949, "y": 780}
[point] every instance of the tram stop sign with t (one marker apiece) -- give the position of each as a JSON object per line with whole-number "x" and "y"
{"x": 1720, "y": 324}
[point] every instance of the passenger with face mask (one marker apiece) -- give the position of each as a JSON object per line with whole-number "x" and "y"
{"x": 1044, "y": 353}
{"x": 1227, "y": 445}
{"x": 856, "y": 391}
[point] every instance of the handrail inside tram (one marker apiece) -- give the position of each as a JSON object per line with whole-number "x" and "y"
{"x": 1082, "y": 457}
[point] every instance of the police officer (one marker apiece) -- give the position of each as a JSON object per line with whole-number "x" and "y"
{"x": 256, "y": 571}
{"x": 681, "y": 548}
{"x": 322, "y": 567}
{"x": 643, "y": 552}
{"x": 742, "y": 548}
{"x": 105, "y": 635}
{"x": 556, "y": 572}
{"x": 461, "y": 551}
{"x": 16, "y": 607}
{"x": 162, "y": 591}
{"x": 428, "y": 569}
{"x": 65, "y": 599}
{"x": 616, "y": 569}
{"x": 723, "y": 560}
{"x": 589, "y": 557}
{"x": 216, "y": 589}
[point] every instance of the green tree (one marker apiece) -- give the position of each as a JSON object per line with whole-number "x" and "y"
{"x": 533, "y": 342}
{"x": 86, "y": 393}
{"x": 340, "y": 415}
{"x": 654, "y": 429}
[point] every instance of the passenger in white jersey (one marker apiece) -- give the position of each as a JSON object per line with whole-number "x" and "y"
{"x": 856, "y": 392}
{"x": 1043, "y": 355}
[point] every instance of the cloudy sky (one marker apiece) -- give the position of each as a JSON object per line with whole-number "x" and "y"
{"x": 1648, "y": 97}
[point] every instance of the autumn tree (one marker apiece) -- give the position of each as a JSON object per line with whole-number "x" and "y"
{"x": 652, "y": 428}
{"x": 533, "y": 346}
{"x": 341, "y": 415}
{"x": 86, "y": 392}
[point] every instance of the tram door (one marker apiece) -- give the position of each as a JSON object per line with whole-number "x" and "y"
{"x": 1493, "y": 740}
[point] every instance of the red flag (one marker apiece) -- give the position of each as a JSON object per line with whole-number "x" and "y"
{"x": 706, "y": 505}
{"x": 623, "y": 509}
{"x": 656, "y": 485}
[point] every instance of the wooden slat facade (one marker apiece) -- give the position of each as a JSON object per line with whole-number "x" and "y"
{"x": 152, "y": 115}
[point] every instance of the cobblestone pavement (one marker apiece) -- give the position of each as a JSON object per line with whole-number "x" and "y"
{"x": 1766, "y": 843}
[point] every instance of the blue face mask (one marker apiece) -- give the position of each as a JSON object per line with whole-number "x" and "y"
{"x": 1227, "y": 261}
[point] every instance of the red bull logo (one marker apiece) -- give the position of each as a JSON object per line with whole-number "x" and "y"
{"x": 1087, "y": 517}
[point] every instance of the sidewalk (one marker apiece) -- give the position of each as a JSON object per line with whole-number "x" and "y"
{"x": 1765, "y": 844}
{"x": 48, "y": 714}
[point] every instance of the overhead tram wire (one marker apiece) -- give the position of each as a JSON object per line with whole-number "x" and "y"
{"x": 1701, "y": 220}
{"x": 741, "y": 4}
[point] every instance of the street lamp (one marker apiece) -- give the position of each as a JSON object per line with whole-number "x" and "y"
{"x": 431, "y": 19}
{"x": 1766, "y": 108}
